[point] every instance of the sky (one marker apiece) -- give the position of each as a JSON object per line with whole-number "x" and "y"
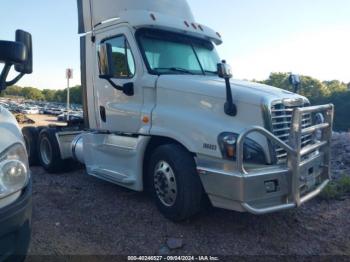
{"x": 308, "y": 37}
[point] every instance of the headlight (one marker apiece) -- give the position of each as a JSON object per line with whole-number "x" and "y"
{"x": 318, "y": 119}
{"x": 14, "y": 171}
{"x": 252, "y": 151}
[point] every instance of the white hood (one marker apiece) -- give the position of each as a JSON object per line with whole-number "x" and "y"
{"x": 192, "y": 109}
{"x": 242, "y": 91}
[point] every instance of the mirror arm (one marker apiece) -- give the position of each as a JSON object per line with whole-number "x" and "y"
{"x": 120, "y": 88}
{"x": 4, "y": 74}
{"x": 128, "y": 88}
{"x": 297, "y": 88}
{"x": 230, "y": 107}
{"x": 15, "y": 80}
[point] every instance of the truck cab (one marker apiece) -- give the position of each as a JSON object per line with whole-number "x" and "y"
{"x": 15, "y": 177}
{"x": 163, "y": 113}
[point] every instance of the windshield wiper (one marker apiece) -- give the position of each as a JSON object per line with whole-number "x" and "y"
{"x": 176, "y": 69}
{"x": 211, "y": 72}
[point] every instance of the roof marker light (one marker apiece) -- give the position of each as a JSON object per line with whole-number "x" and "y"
{"x": 218, "y": 34}
{"x": 187, "y": 24}
{"x": 194, "y": 26}
{"x": 200, "y": 27}
{"x": 153, "y": 17}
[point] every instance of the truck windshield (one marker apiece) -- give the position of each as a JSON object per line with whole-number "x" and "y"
{"x": 170, "y": 53}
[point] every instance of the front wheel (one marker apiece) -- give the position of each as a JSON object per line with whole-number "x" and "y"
{"x": 49, "y": 151}
{"x": 174, "y": 182}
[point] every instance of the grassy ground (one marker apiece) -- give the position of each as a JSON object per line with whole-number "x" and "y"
{"x": 337, "y": 189}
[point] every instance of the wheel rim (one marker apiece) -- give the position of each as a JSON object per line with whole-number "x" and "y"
{"x": 45, "y": 151}
{"x": 165, "y": 183}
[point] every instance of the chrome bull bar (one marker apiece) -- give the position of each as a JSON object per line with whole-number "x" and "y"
{"x": 295, "y": 152}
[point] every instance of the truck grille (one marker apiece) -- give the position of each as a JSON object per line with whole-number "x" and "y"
{"x": 281, "y": 117}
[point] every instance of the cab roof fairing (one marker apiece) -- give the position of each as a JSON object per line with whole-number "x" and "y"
{"x": 156, "y": 15}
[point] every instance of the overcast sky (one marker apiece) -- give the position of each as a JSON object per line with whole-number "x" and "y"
{"x": 260, "y": 36}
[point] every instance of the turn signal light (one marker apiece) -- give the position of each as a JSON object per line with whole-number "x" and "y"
{"x": 231, "y": 151}
{"x": 145, "y": 119}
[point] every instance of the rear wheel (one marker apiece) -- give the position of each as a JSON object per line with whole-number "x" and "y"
{"x": 31, "y": 135}
{"x": 174, "y": 182}
{"x": 49, "y": 151}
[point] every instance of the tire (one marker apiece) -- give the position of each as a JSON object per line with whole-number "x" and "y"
{"x": 174, "y": 183}
{"x": 31, "y": 135}
{"x": 49, "y": 152}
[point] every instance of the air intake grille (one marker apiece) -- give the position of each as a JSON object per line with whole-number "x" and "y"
{"x": 281, "y": 117}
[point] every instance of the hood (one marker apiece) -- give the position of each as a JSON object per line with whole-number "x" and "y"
{"x": 242, "y": 91}
{"x": 9, "y": 130}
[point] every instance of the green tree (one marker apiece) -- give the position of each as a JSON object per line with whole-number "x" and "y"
{"x": 13, "y": 91}
{"x": 49, "y": 95}
{"x": 310, "y": 87}
{"x": 341, "y": 101}
{"x": 60, "y": 96}
{"x": 279, "y": 80}
{"x": 335, "y": 86}
{"x": 32, "y": 93}
{"x": 76, "y": 95}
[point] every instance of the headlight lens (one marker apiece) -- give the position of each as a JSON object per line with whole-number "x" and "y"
{"x": 252, "y": 151}
{"x": 14, "y": 171}
{"x": 318, "y": 119}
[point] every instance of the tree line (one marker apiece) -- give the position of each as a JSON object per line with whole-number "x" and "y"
{"x": 320, "y": 92}
{"x": 48, "y": 95}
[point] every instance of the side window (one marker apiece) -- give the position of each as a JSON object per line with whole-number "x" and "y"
{"x": 123, "y": 59}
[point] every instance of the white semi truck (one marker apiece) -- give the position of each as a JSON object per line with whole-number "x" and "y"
{"x": 162, "y": 113}
{"x": 15, "y": 178}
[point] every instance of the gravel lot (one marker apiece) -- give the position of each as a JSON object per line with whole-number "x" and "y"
{"x": 42, "y": 120}
{"x": 75, "y": 214}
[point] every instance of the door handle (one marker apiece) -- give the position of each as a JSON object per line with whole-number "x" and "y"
{"x": 103, "y": 114}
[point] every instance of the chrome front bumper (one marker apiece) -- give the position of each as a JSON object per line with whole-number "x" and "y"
{"x": 305, "y": 175}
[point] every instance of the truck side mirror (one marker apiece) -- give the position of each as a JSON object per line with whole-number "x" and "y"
{"x": 12, "y": 52}
{"x": 224, "y": 70}
{"x": 17, "y": 53}
{"x": 107, "y": 69}
{"x": 295, "y": 81}
{"x": 106, "y": 65}
{"x": 26, "y": 39}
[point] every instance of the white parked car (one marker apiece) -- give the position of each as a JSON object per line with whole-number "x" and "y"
{"x": 56, "y": 111}
{"x": 15, "y": 178}
{"x": 31, "y": 111}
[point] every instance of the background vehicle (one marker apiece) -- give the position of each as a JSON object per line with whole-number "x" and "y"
{"x": 55, "y": 111}
{"x": 162, "y": 112}
{"x": 15, "y": 180}
{"x": 31, "y": 111}
{"x": 73, "y": 116}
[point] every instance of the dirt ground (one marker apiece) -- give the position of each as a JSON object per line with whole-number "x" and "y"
{"x": 43, "y": 120}
{"x": 75, "y": 214}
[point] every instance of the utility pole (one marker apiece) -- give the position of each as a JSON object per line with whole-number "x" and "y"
{"x": 69, "y": 75}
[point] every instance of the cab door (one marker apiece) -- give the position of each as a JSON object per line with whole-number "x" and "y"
{"x": 117, "y": 111}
